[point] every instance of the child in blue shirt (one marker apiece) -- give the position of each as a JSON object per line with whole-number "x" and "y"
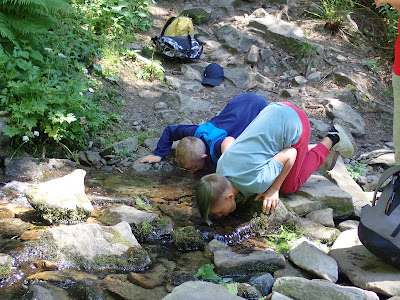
{"x": 271, "y": 155}
{"x": 201, "y": 144}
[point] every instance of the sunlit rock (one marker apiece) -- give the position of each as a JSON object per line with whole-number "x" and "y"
{"x": 89, "y": 246}
{"x": 61, "y": 200}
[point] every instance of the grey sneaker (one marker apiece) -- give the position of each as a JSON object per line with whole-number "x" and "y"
{"x": 346, "y": 145}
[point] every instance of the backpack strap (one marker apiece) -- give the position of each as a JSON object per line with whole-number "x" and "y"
{"x": 385, "y": 175}
{"x": 169, "y": 21}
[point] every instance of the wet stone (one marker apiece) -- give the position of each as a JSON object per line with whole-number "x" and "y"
{"x": 123, "y": 289}
{"x": 149, "y": 279}
{"x": 13, "y": 226}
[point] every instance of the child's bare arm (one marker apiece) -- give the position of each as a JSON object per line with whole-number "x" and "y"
{"x": 270, "y": 197}
{"x": 226, "y": 143}
{"x": 394, "y": 3}
{"x": 151, "y": 159}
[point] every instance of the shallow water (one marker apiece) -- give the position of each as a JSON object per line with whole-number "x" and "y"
{"x": 170, "y": 196}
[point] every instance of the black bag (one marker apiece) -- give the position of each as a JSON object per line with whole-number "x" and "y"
{"x": 379, "y": 228}
{"x": 176, "y": 39}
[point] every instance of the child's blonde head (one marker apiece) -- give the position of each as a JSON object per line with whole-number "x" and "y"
{"x": 210, "y": 189}
{"x": 190, "y": 152}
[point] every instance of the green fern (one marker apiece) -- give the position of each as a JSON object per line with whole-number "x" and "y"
{"x": 22, "y": 20}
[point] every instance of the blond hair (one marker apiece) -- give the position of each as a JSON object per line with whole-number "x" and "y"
{"x": 189, "y": 151}
{"x": 210, "y": 189}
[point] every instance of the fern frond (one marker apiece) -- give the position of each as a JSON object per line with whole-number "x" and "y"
{"x": 36, "y": 6}
{"x": 5, "y": 31}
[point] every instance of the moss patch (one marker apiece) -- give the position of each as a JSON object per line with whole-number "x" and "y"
{"x": 58, "y": 216}
{"x": 188, "y": 239}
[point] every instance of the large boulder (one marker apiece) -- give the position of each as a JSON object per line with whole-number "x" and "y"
{"x": 89, "y": 246}
{"x": 364, "y": 269}
{"x": 61, "y": 200}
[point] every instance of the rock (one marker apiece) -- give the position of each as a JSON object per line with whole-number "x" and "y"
{"x": 61, "y": 200}
{"x": 291, "y": 270}
{"x": 124, "y": 213}
{"x": 235, "y": 40}
{"x": 304, "y": 289}
{"x": 289, "y": 93}
{"x": 13, "y": 227}
{"x": 44, "y": 290}
{"x": 160, "y": 106}
{"x": 382, "y": 157}
{"x": 168, "y": 115}
{"x": 315, "y": 231}
{"x": 89, "y": 246}
{"x": 299, "y": 80}
{"x": 61, "y": 276}
{"x": 33, "y": 169}
{"x": 263, "y": 283}
{"x": 279, "y": 296}
{"x": 344, "y": 181}
{"x": 198, "y": 14}
{"x": 285, "y": 35}
{"x": 279, "y": 216}
{"x": 310, "y": 258}
{"x": 364, "y": 269}
{"x": 192, "y": 72}
{"x": 188, "y": 239}
{"x": 314, "y": 77}
{"x": 198, "y": 290}
{"x": 183, "y": 103}
{"x": 46, "y": 265}
{"x": 240, "y": 77}
{"x": 252, "y": 55}
{"x": 248, "y": 291}
{"x": 319, "y": 125}
{"x": 323, "y": 216}
{"x": 119, "y": 286}
{"x": 150, "y": 279}
{"x": 228, "y": 262}
{"x": 338, "y": 109}
{"x": 348, "y": 224}
{"x": 318, "y": 193}
{"x": 129, "y": 145}
{"x": 5, "y": 265}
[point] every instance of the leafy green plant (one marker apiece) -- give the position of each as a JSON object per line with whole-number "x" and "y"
{"x": 371, "y": 64}
{"x": 206, "y": 272}
{"x": 282, "y": 240}
{"x": 391, "y": 19}
{"x": 21, "y": 21}
{"x": 356, "y": 170}
{"x": 303, "y": 49}
{"x": 114, "y": 19}
{"x": 142, "y": 205}
{"x": 44, "y": 94}
{"x": 152, "y": 70}
{"x": 334, "y": 12}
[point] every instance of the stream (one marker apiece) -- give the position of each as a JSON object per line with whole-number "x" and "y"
{"x": 169, "y": 195}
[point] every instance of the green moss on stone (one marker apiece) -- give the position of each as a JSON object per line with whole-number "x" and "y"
{"x": 5, "y": 271}
{"x": 188, "y": 239}
{"x": 58, "y": 216}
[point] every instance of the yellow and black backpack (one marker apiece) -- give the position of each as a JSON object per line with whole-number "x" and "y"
{"x": 177, "y": 39}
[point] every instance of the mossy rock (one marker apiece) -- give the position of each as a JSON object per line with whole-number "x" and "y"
{"x": 154, "y": 230}
{"x": 5, "y": 265}
{"x": 188, "y": 239}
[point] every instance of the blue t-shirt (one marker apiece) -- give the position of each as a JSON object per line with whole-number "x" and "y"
{"x": 248, "y": 163}
{"x": 231, "y": 121}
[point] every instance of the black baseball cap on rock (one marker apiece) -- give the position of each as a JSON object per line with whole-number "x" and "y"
{"x": 213, "y": 75}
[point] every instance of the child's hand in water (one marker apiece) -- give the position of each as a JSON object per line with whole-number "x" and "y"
{"x": 151, "y": 159}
